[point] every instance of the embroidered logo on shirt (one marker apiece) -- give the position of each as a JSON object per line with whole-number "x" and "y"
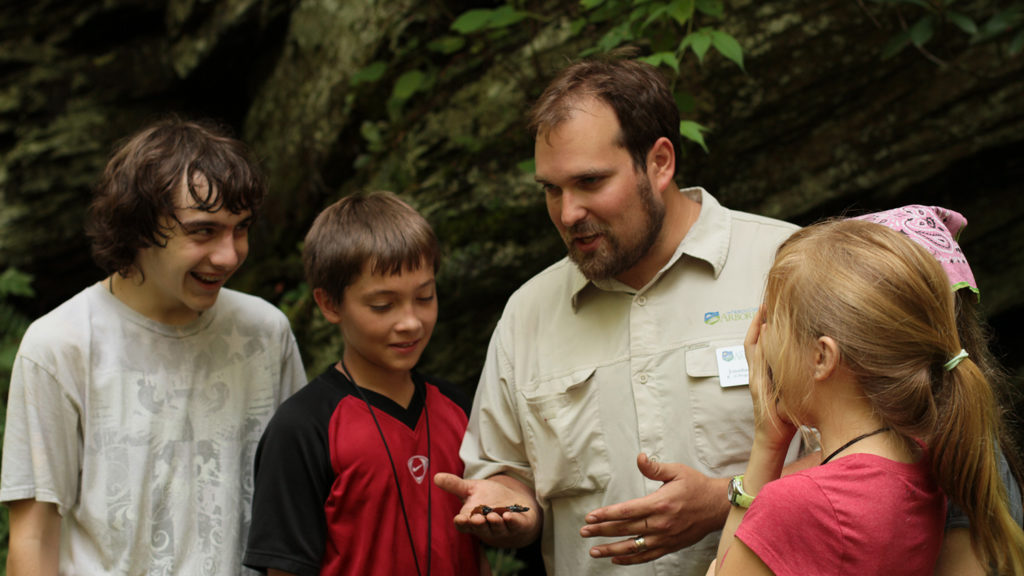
{"x": 418, "y": 468}
{"x": 745, "y": 315}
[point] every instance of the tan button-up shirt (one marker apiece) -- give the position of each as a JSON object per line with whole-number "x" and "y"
{"x": 580, "y": 377}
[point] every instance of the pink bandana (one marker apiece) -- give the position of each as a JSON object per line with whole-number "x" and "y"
{"x": 936, "y": 228}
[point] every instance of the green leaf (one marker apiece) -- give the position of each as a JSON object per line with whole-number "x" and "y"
{"x": 613, "y": 38}
{"x": 1000, "y": 22}
{"x": 590, "y": 4}
{"x": 528, "y": 166}
{"x": 693, "y": 131}
{"x": 727, "y": 46}
{"x": 895, "y": 45}
{"x": 12, "y": 324}
{"x": 505, "y": 16}
{"x": 923, "y": 30}
{"x": 16, "y": 283}
{"x": 447, "y": 44}
{"x": 667, "y": 58}
{"x": 637, "y": 13}
{"x": 408, "y": 84}
{"x": 369, "y": 73}
{"x": 8, "y": 352}
{"x": 472, "y": 21}
{"x": 713, "y": 8}
{"x": 468, "y": 142}
{"x": 962, "y": 22}
{"x": 1017, "y": 44}
{"x": 699, "y": 42}
{"x": 681, "y": 10}
{"x": 654, "y": 15}
{"x": 670, "y": 59}
{"x": 606, "y": 11}
{"x": 370, "y": 132}
{"x": 577, "y": 26}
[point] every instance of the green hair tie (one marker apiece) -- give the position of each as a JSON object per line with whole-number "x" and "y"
{"x": 955, "y": 360}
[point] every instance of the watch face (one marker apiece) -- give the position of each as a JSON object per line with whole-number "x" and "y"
{"x": 736, "y": 494}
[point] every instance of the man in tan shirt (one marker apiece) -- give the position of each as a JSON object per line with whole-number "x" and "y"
{"x": 630, "y": 345}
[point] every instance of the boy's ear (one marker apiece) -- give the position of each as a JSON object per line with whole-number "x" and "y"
{"x": 826, "y": 358}
{"x": 328, "y": 307}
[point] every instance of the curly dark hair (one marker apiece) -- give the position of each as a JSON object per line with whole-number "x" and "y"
{"x": 134, "y": 203}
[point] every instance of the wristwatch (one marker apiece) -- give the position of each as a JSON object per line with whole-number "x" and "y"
{"x": 736, "y": 494}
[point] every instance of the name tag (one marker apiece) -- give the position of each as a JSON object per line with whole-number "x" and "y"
{"x": 732, "y": 366}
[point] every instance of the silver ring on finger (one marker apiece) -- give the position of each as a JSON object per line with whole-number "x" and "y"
{"x": 640, "y": 543}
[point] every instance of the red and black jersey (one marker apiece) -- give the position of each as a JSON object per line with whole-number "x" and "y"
{"x": 325, "y": 499}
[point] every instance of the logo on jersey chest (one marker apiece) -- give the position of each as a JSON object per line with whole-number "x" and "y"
{"x": 418, "y": 466}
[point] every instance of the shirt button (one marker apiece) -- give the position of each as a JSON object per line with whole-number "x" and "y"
{"x": 643, "y": 378}
{"x": 653, "y": 458}
{"x": 641, "y": 300}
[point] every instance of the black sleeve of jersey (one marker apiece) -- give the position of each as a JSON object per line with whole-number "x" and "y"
{"x": 293, "y": 478}
{"x": 452, "y": 392}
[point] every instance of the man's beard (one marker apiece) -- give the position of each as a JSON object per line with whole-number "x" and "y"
{"x": 617, "y": 255}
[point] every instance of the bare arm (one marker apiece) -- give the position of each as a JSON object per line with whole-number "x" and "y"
{"x": 507, "y": 530}
{"x": 957, "y": 556}
{"x": 34, "y": 539}
{"x": 772, "y": 436}
{"x": 765, "y": 465}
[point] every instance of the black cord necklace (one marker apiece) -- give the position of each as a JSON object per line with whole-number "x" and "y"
{"x": 854, "y": 441}
{"x": 394, "y": 471}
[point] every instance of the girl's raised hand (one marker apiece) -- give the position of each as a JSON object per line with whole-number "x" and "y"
{"x": 770, "y": 426}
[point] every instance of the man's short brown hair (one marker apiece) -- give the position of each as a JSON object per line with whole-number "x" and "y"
{"x": 635, "y": 91}
{"x": 375, "y": 229}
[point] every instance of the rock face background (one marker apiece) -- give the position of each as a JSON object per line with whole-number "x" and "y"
{"x": 817, "y": 125}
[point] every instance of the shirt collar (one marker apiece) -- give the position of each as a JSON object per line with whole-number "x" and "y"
{"x": 707, "y": 240}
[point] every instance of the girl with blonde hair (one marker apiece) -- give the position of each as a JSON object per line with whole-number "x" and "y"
{"x": 857, "y": 338}
{"x": 937, "y": 229}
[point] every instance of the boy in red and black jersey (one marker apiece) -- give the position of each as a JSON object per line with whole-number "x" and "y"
{"x": 344, "y": 471}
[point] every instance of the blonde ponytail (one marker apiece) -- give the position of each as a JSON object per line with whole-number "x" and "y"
{"x": 965, "y": 463}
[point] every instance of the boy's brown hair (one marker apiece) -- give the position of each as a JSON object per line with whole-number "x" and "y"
{"x": 375, "y": 230}
{"x": 134, "y": 204}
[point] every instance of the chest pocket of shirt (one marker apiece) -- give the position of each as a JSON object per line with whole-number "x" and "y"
{"x": 567, "y": 445}
{"x": 723, "y": 418}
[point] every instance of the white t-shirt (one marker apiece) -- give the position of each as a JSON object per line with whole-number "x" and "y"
{"x": 144, "y": 434}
